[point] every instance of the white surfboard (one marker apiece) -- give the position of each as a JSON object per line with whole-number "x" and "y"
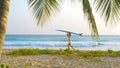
{"x": 70, "y": 32}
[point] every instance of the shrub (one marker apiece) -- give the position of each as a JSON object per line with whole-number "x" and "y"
{"x": 4, "y": 66}
{"x": 66, "y": 52}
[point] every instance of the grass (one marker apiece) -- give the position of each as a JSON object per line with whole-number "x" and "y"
{"x": 4, "y": 66}
{"x": 66, "y": 52}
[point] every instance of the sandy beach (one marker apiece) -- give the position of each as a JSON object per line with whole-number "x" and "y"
{"x": 58, "y": 61}
{"x": 58, "y": 34}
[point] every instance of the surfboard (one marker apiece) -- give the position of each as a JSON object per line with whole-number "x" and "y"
{"x": 70, "y": 32}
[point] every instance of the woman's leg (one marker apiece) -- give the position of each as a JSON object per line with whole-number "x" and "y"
{"x": 69, "y": 44}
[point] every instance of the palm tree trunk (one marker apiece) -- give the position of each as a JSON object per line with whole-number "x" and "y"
{"x": 4, "y": 10}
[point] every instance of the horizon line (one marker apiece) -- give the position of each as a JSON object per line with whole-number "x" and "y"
{"x": 56, "y": 34}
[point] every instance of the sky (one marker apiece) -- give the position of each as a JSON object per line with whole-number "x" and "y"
{"x": 70, "y": 17}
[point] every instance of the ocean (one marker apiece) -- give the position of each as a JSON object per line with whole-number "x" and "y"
{"x": 85, "y": 42}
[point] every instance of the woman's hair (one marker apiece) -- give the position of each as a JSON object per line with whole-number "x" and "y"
{"x": 69, "y": 33}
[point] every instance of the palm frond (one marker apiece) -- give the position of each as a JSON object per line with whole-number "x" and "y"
{"x": 109, "y": 9}
{"x": 43, "y": 9}
{"x": 88, "y": 12}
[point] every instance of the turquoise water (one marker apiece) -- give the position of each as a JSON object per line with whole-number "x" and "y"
{"x": 60, "y": 41}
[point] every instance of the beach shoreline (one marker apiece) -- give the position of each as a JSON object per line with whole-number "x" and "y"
{"x": 60, "y": 41}
{"x": 94, "y": 48}
{"x": 57, "y": 61}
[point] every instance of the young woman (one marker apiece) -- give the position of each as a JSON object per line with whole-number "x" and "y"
{"x": 69, "y": 40}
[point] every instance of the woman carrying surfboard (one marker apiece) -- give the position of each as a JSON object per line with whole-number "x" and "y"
{"x": 69, "y": 37}
{"x": 69, "y": 40}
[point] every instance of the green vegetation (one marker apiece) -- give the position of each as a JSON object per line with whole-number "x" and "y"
{"x": 66, "y": 52}
{"x": 4, "y": 66}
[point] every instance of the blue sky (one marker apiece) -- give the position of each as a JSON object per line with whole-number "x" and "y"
{"x": 70, "y": 17}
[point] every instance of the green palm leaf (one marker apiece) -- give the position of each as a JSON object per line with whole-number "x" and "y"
{"x": 88, "y": 11}
{"x": 109, "y": 9}
{"x": 43, "y": 9}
